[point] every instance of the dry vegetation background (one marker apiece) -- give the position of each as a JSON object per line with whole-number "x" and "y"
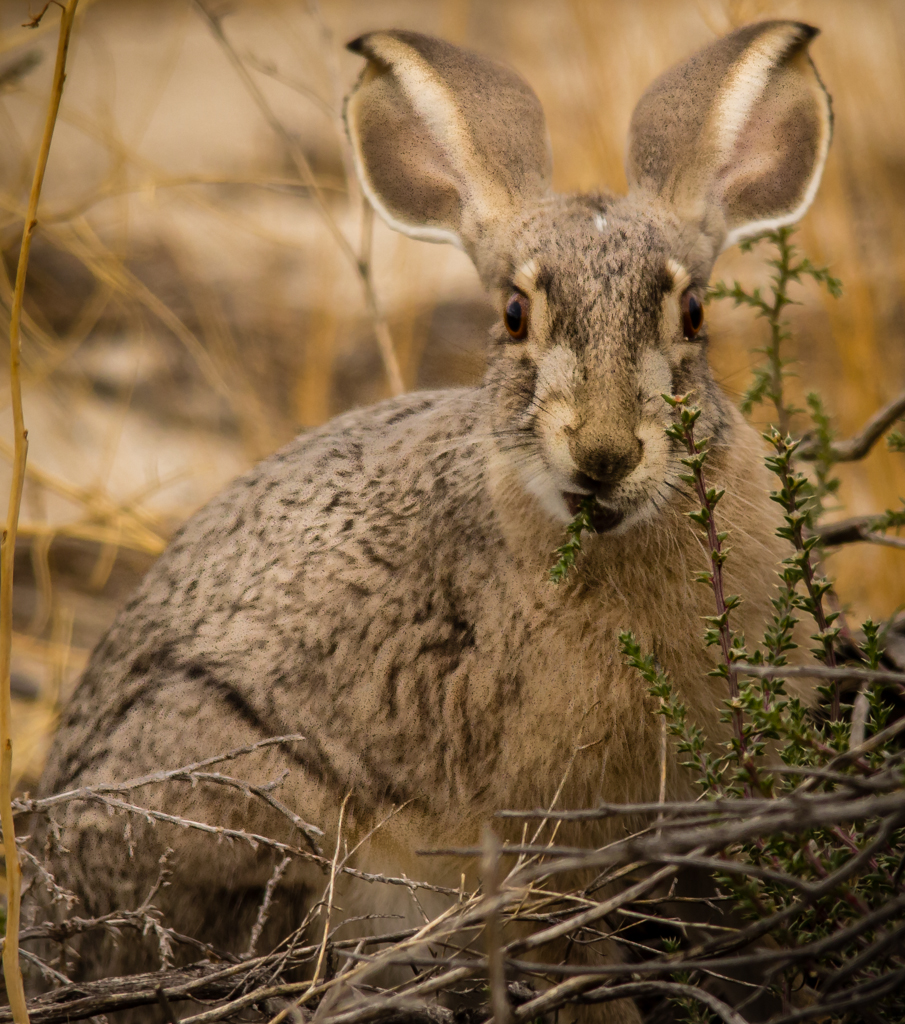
{"x": 188, "y": 310}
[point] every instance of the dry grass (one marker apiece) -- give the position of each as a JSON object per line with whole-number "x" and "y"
{"x": 189, "y": 308}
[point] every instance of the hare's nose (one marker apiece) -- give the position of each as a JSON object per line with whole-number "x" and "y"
{"x": 599, "y": 470}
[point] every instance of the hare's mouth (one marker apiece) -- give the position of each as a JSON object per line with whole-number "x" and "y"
{"x": 602, "y": 518}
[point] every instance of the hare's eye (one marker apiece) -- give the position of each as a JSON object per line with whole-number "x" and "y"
{"x": 692, "y": 314}
{"x": 516, "y": 316}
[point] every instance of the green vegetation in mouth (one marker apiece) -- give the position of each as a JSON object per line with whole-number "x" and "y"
{"x": 566, "y": 554}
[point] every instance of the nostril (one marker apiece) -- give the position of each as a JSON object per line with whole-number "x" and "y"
{"x": 603, "y": 470}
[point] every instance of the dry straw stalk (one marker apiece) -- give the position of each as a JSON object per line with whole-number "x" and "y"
{"x": 12, "y": 972}
{"x": 361, "y": 266}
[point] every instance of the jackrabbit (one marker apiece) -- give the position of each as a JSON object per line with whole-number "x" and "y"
{"x": 381, "y": 584}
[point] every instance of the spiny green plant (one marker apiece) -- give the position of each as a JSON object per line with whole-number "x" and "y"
{"x": 788, "y": 267}
{"x": 822, "y": 484}
{"x": 793, "y": 496}
{"x": 761, "y": 713}
{"x": 566, "y": 554}
{"x": 719, "y": 631}
{"x": 777, "y": 746}
{"x": 825, "y": 485}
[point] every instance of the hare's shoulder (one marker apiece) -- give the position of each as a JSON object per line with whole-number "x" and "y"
{"x": 364, "y": 496}
{"x": 385, "y": 472}
{"x": 350, "y": 532}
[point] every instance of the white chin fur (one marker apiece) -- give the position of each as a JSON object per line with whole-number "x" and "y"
{"x": 544, "y": 488}
{"x": 640, "y": 514}
{"x": 549, "y": 494}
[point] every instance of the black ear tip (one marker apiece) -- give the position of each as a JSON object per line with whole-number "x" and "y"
{"x": 357, "y": 45}
{"x": 808, "y": 32}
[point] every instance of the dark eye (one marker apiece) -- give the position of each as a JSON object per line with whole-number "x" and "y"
{"x": 692, "y": 314}
{"x": 516, "y": 316}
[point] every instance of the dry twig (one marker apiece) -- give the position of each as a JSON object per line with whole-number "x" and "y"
{"x": 11, "y": 970}
{"x": 306, "y": 176}
{"x": 857, "y": 447}
{"x": 820, "y": 672}
{"x": 854, "y": 529}
{"x": 653, "y": 976}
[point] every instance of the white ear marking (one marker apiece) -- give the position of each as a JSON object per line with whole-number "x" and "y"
{"x": 599, "y": 221}
{"x": 753, "y": 160}
{"x": 446, "y": 125}
{"x": 746, "y": 85}
{"x": 447, "y": 144}
{"x": 422, "y": 234}
{"x": 773, "y": 224}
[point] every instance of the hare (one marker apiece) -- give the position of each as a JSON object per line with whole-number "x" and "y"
{"x": 380, "y": 585}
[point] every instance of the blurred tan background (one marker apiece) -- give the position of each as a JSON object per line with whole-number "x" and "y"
{"x": 188, "y": 310}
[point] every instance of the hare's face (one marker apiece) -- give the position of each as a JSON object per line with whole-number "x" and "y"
{"x": 601, "y": 314}
{"x": 600, "y": 299}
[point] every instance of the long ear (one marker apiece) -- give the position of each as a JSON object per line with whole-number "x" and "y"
{"x": 446, "y": 143}
{"x": 735, "y": 138}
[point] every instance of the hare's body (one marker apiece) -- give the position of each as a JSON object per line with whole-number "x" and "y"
{"x": 381, "y": 585}
{"x": 410, "y": 632}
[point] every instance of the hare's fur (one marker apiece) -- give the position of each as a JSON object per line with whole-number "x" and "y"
{"x": 381, "y": 584}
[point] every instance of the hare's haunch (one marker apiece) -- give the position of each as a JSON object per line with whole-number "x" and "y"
{"x": 380, "y": 586}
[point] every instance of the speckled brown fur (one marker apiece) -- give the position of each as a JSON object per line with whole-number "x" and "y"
{"x": 380, "y": 585}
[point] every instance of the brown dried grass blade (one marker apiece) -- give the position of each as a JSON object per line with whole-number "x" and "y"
{"x": 12, "y": 972}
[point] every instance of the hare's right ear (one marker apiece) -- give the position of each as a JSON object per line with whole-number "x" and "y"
{"x": 447, "y": 144}
{"x": 734, "y": 140}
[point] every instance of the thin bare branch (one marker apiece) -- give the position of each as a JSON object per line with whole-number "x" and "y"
{"x": 858, "y": 446}
{"x": 307, "y": 177}
{"x": 11, "y": 970}
{"x": 854, "y": 530}
{"x": 490, "y": 870}
{"x": 188, "y": 773}
{"x": 820, "y": 672}
{"x": 264, "y": 909}
{"x": 582, "y": 990}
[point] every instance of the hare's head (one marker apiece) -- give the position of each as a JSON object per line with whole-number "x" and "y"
{"x": 600, "y": 297}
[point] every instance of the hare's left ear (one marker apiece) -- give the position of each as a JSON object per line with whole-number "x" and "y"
{"x": 449, "y": 146}
{"x": 734, "y": 140}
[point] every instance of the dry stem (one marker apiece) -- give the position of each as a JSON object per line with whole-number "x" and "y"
{"x": 855, "y": 448}
{"x": 12, "y": 972}
{"x": 499, "y": 1000}
{"x": 693, "y": 845}
{"x": 306, "y": 175}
